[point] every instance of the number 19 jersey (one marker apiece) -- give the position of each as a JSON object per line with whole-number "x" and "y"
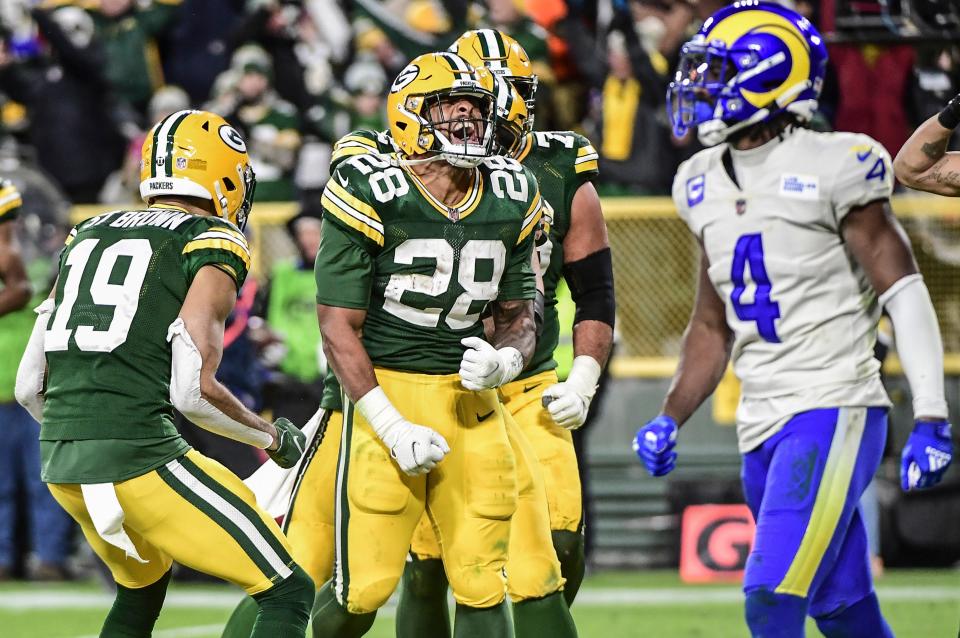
{"x": 803, "y": 313}
{"x": 424, "y": 271}
{"x": 122, "y": 281}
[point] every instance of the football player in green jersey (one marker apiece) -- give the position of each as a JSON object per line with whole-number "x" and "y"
{"x": 415, "y": 247}
{"x": 133, "y": 328}
{"x": 16, "y": 286}
{"x": 577, "y": 249}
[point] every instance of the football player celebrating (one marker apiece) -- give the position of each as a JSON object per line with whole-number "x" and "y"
{"x": 799, "y": 253}
{"x": 575, "y": 247}
{"x": 924, "y": 163}
{"x": 133, "y": 328}
{"x": 413, "y": 251}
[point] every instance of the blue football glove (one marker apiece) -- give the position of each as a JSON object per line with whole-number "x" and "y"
{"x": 926, "y": 456}
{"x": 654, "y": 445}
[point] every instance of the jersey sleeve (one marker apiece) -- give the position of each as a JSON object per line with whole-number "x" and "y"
{"x": 585, "y": 165}
{"x": 519, "y": 280}
{"x": 221, "y": 246}
{"x": 10, "y": 201}
{"x": 679, "y": 192}
{"x": 351, "y": 237}
{"x": 864, "y": 175}
{"x": 354, "y": 143}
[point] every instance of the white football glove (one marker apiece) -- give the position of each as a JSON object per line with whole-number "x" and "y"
{"x": 484, "y": 367}
{"x": 568, "y": 402}
{"x": 416, "y": 449}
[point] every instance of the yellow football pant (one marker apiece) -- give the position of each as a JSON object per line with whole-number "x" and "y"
{"x": 470, "y": 496}
{"x": 196, "y": 512}
{"x": 309, "y": 523}
{"x": 533, "y": 570}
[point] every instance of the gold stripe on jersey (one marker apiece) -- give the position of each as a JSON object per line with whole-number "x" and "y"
{"x": 343, "y": 151}
{"x": 525, "y": 147}
{"x": 9, "y": 199}
{"x": 230, "y": 230}
{"x": 586, "y": 166}
{"x": 532, "y": 218}
{"x": 463, "y": 208}
{"x": 586, "y": 150}
{"x": 69, "y": 239}
{"x": 358, "y": 139}
{"x": 227, "y": 268}
{"x": 220, "y": 233}
{"x": 219, "y": 244}
{"x": 360, "y": 206}
{"x": 351, "y": 217}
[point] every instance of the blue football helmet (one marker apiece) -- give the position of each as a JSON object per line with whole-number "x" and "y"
{"x": 748, "y": 63}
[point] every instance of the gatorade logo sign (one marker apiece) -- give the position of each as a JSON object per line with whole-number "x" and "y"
{"x": 715, "y": 542}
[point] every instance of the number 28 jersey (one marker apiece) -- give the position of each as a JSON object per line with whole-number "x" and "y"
{"x": 803, "y": 313}
{"x": 423, "y": 271}
{"x": 122, "y": 281}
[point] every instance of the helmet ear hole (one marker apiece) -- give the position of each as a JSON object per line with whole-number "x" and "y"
{"x": 229, "y": 184}
{"x": 205, "y": 126}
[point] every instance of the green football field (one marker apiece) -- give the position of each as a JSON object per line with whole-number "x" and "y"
{"x": 918, "y": 604}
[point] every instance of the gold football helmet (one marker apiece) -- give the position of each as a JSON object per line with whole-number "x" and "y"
{"x": 415, "y": 115}
{"x": 504, "y": 56}
{"x": 511, "y": 113}
{"x": 197, "y": 154}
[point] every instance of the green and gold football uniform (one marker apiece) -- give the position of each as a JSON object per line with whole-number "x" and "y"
{"x": 107, "y": 416}
{"x": 424, "y": 272}
{"x": 10, "y": 201}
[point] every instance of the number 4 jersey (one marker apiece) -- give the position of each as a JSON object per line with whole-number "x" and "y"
{"x": 424, "y": 271}
{"x": 802, "y": 311}
{"x": 122, "y": 281}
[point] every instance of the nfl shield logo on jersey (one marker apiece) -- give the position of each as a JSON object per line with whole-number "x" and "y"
{"x": 695, "y": 190}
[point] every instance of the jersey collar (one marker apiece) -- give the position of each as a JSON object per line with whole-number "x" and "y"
{"x": 463, "y": 208}
{"x": 525, "y": 149}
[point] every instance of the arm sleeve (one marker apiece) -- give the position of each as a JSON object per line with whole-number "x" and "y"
{"x": 864, "y": 175}
{"x": 223, "y": 247}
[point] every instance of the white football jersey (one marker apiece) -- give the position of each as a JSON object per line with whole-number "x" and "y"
{"x": 802, "y": 311}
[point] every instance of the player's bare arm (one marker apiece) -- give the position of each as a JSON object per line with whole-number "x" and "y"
{"x": 587, "y": 237}
{"x": 208, "y": 303}
{"x": 706, "y": 349}
{"x": 881, "y": 247}
{"x": 514, "y": 327}
{"x": 588, "y": 271}
{"x": 924, "y": 163}
{"x": 340, "y": 329}
{"x": 16, "y": 286}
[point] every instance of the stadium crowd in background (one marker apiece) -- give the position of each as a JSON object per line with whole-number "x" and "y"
{"x": 87, "y": 77}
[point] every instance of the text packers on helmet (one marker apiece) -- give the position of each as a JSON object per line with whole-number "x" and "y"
{"x": 511, "y": 113}
{"x": 505, "y": 57}
{"x": 413, "y": 106}
{"x": 197, "y": 154}
{"x": 748, "y": 63}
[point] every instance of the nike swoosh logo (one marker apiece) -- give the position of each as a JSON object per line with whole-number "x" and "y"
{"x": 484, "y": 417}
{"x": 527, "y": 388}
{"x": 343, "y": 181}
{"x": 864, "y": 155}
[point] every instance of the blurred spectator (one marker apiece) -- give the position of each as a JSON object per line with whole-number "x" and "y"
{"x": 268, "y": 123}
{"x": 74, "y": 121}
{"x": 304, "y": 39}
{"x": 196, "y": 48}
{"x": 931, "y": 84}
{"x": 49, "y": 527}
{"x": 128, "y": 30}
{"x": 874, "y": 83}
{"x": 123, "y": 186}
{"x": 288, "y": 305}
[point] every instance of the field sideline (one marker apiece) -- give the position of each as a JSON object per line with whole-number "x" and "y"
{"x": 918, "y": 604}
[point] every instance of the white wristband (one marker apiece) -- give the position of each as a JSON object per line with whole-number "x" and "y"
{"x": 584, "y": 375}
{"x": 918, "y": 343}
{"x": 380, "y": 414}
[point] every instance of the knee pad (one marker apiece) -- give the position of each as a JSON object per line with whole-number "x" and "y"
{"x": 491, "y": 489}
{"x": 425, "y": 578}
{"x": 773, "y": 615}
{"x": 479, "y": 587}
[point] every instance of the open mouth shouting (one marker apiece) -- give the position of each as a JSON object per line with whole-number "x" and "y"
{"x": 464, "y": 132}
